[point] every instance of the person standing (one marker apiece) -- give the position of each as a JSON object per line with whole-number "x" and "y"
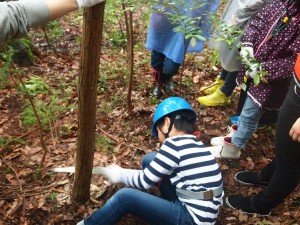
{"x": 16, "y": 17}
{"x": 270, "y": 44}
{"x": 282, "y": 175}
{"x": 168, "y": 45}
{"x": 237, "y": 13}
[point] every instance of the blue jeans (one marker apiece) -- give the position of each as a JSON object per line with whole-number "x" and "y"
{"x": 230, "y": 81}
{"x": 160, "y": 62}
{"x": 247, "y": 123}
{"x": 150, "y": 208}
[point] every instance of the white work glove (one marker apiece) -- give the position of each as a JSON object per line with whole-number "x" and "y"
{"x": 247, "y": 54}
{"x": 88, "y": 3}
{"x": 115, "y": 174}
{"x": 252, "y": 71}
{"x": 112, "y": 172}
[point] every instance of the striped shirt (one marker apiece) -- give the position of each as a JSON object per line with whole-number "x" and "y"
{"x": 190, "y": 166}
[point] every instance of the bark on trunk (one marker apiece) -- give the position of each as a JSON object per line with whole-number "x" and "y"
{"x": 89, "y": 73}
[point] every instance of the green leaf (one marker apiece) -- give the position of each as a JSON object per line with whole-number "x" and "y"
{"x": 193, "y": 42}
{"x": 200, "y": 37}
{"x": 256, "y": 80}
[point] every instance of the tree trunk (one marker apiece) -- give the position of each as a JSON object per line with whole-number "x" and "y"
{"x": 89, "y": 73}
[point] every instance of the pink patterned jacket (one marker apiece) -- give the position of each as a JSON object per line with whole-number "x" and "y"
{"x": 278, "y": 55}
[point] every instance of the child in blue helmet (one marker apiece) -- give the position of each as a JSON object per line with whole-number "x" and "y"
{"x": 187, "y": 175}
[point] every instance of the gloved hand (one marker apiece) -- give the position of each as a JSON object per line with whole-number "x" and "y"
{"x": 252, "y": 71}
{"x": 116, "y": 174}
{"x": 112, "y": 172}
{"x": 88, "y": 3}
{"x": 247, "y": 54}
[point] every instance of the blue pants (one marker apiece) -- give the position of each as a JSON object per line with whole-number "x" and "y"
{"x": 150, "y": 208}
{"x": 247, "y": 123}
{"x": 230, "y": 81}
{"x": 161, "y": 63}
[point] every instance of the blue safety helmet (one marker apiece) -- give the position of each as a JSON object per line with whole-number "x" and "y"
{"x": 168, "y": 106}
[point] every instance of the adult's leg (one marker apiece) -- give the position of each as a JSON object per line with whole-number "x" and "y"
{"x": 223, "y": 74}
{"x": 150, "y": 208}
{"x": 157, "y": 60}
{"x": 157, "y": 63}
{"x": 170, "y": 68}
{"x": 247, "y": 124}
{"x": 167, "y": 190}
{"x": 287, "y": 172}
{"x": 230, "y": 83}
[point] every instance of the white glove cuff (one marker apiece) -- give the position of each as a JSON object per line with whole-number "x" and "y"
{"x": 247, "y": 44}
{"x": 87, "y": 3}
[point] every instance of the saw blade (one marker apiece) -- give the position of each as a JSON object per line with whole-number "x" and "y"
{"x": 71, "y": 169}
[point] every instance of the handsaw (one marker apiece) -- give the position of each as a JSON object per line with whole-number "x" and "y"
{"x": 71, "y": 169}
{"x": 96, "y": 170}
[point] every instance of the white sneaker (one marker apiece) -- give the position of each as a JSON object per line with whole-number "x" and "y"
{"x": 80, "y": 223}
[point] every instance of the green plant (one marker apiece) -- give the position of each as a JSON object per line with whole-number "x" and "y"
{"x": 8, "y": 170}
{"x": 52, "y": 197}
{"x": 103, "y": 143}
{"x": 228, "y": 33}
{"x": 117, "y": 38}
{"x": 35, "y": 85}
{"x": 7, "y": 54}
{"x": 265, "y": 222}
{"x": 48, "y": 108}
{"x": 185, "y": 25}
{"x": 54, "y": 29}
{"x": 214, "y": 57}
{"x": 6, "y": 141}
{"x": 3, "y": 141}
{"x": 153, "y": 100}
{"x": 260, "y": 76}
{"x": 187, "y": 81}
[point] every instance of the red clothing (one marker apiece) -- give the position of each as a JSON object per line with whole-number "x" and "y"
{"x": 297, "y": 71}
{"x": 278, "y": 55}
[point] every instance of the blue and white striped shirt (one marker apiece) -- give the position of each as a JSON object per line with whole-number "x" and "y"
{"x": 189, "y": 166}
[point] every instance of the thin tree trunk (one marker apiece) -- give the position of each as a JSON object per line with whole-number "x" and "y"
{"x": 129, "y": 29}
{"x": 89, "y": 73}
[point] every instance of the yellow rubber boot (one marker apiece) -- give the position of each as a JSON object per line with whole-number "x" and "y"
{"x": 208, "y": 90}
{"x": 218, "y": 98}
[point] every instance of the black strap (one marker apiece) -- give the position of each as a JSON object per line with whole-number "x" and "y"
{"x": 243, "y": 94}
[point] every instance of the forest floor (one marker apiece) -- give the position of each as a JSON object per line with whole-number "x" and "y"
{"x": 29, "y": 196}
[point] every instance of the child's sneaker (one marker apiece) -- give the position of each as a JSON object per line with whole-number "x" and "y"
{"x": 246, "y": 204}
{"x": 249, "y": 178}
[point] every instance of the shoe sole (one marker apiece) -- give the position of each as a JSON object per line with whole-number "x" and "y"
{"x": 230, "y": 206}
{"x": 216, "y": 105}
{"x": 249, "y": 184}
